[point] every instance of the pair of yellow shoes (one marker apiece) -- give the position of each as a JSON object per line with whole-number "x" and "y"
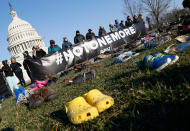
{"x": 85, "y": 108}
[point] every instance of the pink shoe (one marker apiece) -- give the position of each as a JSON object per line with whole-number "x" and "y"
{"x": 36, "y": 88}
{"x": 33, "y": 89}
{"x": 42, "y": 82}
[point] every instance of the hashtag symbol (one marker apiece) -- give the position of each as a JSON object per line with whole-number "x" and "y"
{"x": 59, "y": 58}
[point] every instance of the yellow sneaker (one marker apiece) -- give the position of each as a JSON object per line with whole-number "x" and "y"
{"x": 99, "y": 100}
{"x": 79, "y": 111}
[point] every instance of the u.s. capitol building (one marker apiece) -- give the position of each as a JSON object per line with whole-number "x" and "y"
{"x": 21, "y": 37}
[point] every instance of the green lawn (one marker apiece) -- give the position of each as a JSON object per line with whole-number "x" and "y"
{"x": 145, "y": 101}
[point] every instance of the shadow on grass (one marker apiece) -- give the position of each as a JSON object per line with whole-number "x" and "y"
{"x": 170, "y": 77}
{"x": 157, "y": 117}
{"x": 7, "y": 129}
{"x": 161, "y": 112}
{"x": 60, "y": 116}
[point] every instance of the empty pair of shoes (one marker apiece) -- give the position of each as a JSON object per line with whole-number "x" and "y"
{"x": 20, "y": 96}
{"x": 86, "y": 108}
{"x": 40, "y": 96}
{"x": 157, "y": 62}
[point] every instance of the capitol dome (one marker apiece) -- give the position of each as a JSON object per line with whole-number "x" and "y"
{"x": 21, "y": 37}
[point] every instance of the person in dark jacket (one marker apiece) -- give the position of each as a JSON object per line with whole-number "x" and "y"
{"x": 129, "y": 22}
{"x": 15, "y": 66}
{"x": 79, "y": 38}
{"x": 186, "y": 3}
{"x": 122, "y": 25}
{"x": 27, "y": 65}
{"x": 66, "y": 44}
{"x": 112, "y": 28}
{"x": 90, "y": 35}
{"x": 117, "y": 25}
{"x": 38, "y": 53}
{"x": 9, "y": 75}
{"x": 102, "y": 31}
{"x": 140, "y": 18}
{"x": 53, "y": 47}
{"x": 135, "y": 19}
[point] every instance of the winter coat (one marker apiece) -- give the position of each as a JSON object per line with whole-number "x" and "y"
{"x": 186, "y": 3}
{"x": 135, "y": 21}
{"x": 52, "y": 50}
{"x": 79, "y": 38}
{"x": 117, "y": 26}
{"x": 16, "y": 67}
{"x": 7, "y": 70}
{"x": 102, "y": 32}
{"x": 128, "y": 23}
{"x": 113, "y": 29}
{"x": 140, "y": 19}
{"x": 122, "y": 26}
{"x": 26, "y": 63}
{"x": 90, "y": 36}
{"x": 39, "y": 54}
{"x": 66, "y": 44}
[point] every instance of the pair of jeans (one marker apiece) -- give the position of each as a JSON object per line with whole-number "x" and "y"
{"x": 20, "y": 77}
{"x": 30, "y": 76}
{"x": 12, "y": 83}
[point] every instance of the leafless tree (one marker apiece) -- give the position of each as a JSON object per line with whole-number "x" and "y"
{"x": 156, "y": 8}
{"x": 132, "y": 7}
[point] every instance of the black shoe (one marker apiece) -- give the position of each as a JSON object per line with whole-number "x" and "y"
{"x": 52, "y": 97}
{"x": 36, "y": 103}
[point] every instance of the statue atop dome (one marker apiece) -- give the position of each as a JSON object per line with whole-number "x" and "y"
{"x": 11, "y": 7}
{"x": 13, "y": 13}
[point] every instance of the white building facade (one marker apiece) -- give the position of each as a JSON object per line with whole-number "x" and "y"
{"x": 22, "y": 37}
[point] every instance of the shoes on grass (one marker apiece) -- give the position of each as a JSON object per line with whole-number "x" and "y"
{"x": 174, "y": 58}
{"x": 99, "y": 100}
{"x": 156, "y": 63}
{"x": 79, "y": 111}
{"x": 86, "y": 108}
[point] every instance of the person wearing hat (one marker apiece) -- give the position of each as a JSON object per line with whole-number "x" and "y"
{"x": 128, "y": 22}
{"x": 66, "y": 44}
{"x": 53, "y": 47}
{"x": 140, "y": 18}
{"x": 122, "y": 24}
{"x": 27, "y": 65}
{"x": 79, "y": 38}
{"x": 112, "y": 28}
{"x": 117, "y": 25}
{"x": 102, "y": 31}
{"x": 90, "y": 35}
{"x": 37, "y": 52}
{"x": 135, "y": 19}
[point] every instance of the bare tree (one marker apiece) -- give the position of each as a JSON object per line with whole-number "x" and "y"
{"x": 156, "y": 8}
{"x": 132, "y": 7}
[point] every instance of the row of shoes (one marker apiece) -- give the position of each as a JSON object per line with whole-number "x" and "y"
{"x": 81, "y": 78}
{"x": 86, "y": 108}
{"x": 157, "y": 62}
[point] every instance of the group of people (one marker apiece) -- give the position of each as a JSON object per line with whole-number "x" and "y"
{"x": 14, "y": 67}
{"x": 9, "y": 70}
{"x": 79, "y": 38}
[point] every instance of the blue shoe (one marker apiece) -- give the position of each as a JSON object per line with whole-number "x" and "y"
{"x": 174, "y": 58}
{"x": 156, "y": 63}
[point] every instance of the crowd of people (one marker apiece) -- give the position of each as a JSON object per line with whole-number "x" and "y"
{"x": 14, "y": 67}
{"x": 91, "y": 35}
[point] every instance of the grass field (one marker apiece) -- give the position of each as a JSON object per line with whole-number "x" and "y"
{"x": 145, "y": 101}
